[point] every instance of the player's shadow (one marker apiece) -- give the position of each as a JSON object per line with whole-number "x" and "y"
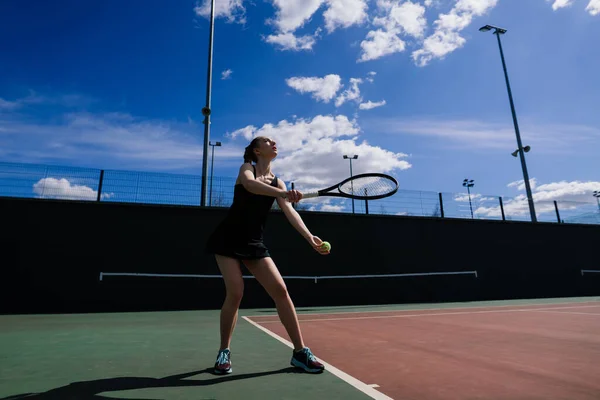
{"x": 90, "y": 390}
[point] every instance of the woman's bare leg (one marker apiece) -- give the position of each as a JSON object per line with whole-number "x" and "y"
{"x": 267, "y": 274}
{"x": 234, "y": 286}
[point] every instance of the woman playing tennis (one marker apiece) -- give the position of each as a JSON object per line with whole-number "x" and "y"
{"x": 239, "y": 239}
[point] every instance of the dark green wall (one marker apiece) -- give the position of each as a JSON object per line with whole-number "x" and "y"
{"x": 53, "y": 253}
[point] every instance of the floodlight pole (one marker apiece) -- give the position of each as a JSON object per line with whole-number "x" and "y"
{"x": 498, "y": 32}
{"x": 206, "y": 111}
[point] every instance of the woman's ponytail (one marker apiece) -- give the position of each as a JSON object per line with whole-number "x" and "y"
{"x": 249, "y": 155}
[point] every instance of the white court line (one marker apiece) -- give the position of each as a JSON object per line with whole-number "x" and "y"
{"x": 436, "y": 309}
{"x": 568, "y": 312}
{"x": 431, "y": 314}
{"x": 363, "y": 387}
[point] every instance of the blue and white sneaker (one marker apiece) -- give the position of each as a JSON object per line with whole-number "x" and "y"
{"x": 306, "y": 360}
{"x": 223, "y": 364}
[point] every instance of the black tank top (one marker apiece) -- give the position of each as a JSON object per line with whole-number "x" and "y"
{"x": 249, "y": 211}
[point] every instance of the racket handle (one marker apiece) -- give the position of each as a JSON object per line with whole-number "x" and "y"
{"x": 310, "y": 195}
{"x": 304, "y": 195}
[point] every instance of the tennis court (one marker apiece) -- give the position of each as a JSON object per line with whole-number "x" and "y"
{"x": 534, "y": 349}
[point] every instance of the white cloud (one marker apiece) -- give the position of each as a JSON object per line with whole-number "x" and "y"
{"x": 406, "y": 18}
{"x": 471, "y": 133}
{"x": 331, "y": 208}
{"x": 8, "y": 105}
{"x": 53, "y": 188}
{"x": 231, "y": 10}
{"x": 292, "y": 15}
{"x": 446, "y": 38}
{"x": 323, "y": 89}
{"x": 72, "y": 100}
{"x": 369, "y": 105}
{"x": 593, "y": 7}
{"x": 465, "y": 197}
{"x": 560, "y": 3}
{"x": 310, "y": 151}
{"x": 520, "y": 185}
{"x": 486, "y": 135}
{"x": 397, "y": 18}
{"x": 345, "y": 13}
{"x": 569, "y": 195}
{"x": 289, "y": 41}
{"x": 109, "y": 139}
{"x": 226, "y": 74}
{"x": 350, "y": 94}
{"x": 380, "y": 43}
{"x": 371, "y": 76}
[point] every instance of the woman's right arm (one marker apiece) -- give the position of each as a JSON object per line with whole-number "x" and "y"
{"x": 246, "y": 178}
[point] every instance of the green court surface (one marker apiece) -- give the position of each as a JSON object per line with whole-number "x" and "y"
{"x": 167, "y": 355}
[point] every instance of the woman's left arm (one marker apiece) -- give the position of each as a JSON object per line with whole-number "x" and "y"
{"x": 296, "y": 221}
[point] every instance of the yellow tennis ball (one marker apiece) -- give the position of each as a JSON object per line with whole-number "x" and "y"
{"x": 326, "y": 246}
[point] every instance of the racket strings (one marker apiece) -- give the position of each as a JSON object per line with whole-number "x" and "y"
{"x": 368, "y": 186}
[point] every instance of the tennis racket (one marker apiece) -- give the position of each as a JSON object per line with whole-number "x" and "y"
{"x": 370, "y": 186}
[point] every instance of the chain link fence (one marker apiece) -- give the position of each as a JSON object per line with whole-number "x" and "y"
{"x": 88, "y": 184}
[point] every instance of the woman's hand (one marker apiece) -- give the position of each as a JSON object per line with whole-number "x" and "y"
{"x": 293, "y": 196}
{"x": 316, "y": 243}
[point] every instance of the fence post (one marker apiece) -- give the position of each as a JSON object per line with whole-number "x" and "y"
{"x": 441, "y": 205}
{"x": 557, "y": 213}
{"x": 502, "y": 209}
{"x": 100, "y": 185}
{"x": 293, "y": 204}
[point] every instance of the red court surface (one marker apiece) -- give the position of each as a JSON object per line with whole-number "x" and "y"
{"x": 543, "y": 351}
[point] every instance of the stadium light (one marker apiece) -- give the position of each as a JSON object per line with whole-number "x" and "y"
{"x": 525, "y": 149}
{"x": 501, "y": 31}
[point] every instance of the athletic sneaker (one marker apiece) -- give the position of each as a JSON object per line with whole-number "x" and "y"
{"x": 223, "y": 364}
{"x": 306, "y": 360}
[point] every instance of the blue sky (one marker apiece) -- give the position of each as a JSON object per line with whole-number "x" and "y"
{"x": 413, "y": 88}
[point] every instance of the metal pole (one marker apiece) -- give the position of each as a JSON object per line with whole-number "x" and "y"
{"x": 100, "y": 185}
{"x": 502, "y": 209}
{"x": 351, "y": 185}
{"x": 206, "y": 110}
{"x": 470, "y": 205}
{"x": 441, "y": 206}
{"x": 521, "y": 153}
{"x": 366, "y": 203}
{"x": 557, "y": 213}
{"x": 212, "y": 167}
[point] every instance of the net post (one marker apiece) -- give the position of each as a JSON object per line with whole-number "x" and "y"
{"x": 441, "y": 205}
{"x": 502, "y": 208}
{"x": 100, "y": 185}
